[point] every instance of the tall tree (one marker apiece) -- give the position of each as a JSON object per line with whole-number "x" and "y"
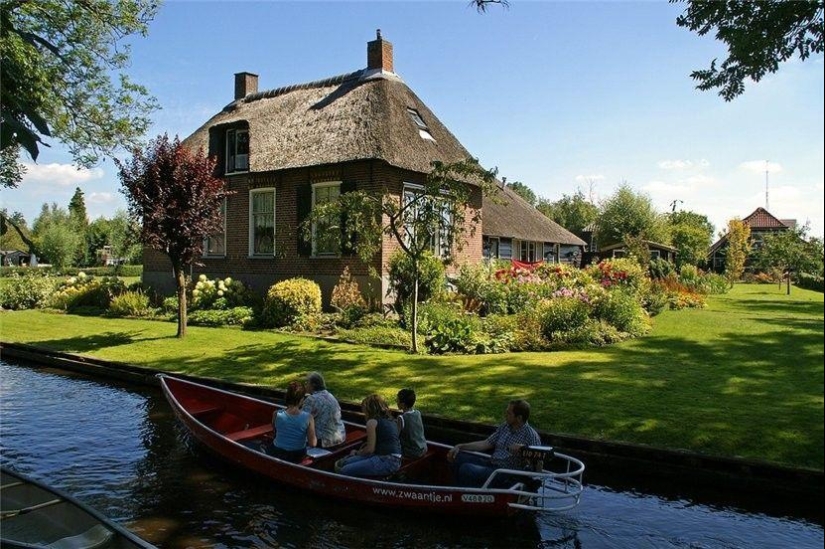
{"x": 737, "y": 250}
{"x": 174, "y": 196}
{"x": 416, "y": 221}
{"x": 573, "y": 212}
{"x": 63, "y": 63}
{"x": 789, "y": 251}
{"x": 691, "y": 235}
{"x": 124, "y": 237}
{"x": 627, "y": 213}
{"x": 758, "y": 35}
{"x": 56, "y": 235}
{"x": 523, "y": 191}
{"x": 80, "y": 219}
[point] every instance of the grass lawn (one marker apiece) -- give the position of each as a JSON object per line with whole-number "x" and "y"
{"x": 743, "y": 377}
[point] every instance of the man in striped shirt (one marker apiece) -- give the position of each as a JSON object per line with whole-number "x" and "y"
{"x": 472, "y": 470}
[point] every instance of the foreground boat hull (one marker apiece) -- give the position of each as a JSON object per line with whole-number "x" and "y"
{"x": 235, "y": 427}
{"x": 36, "y": 515}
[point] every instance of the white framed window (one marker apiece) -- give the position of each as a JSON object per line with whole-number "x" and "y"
{"x": 262, "y": 222}
{"x": 655, "y": 254}
{"x": 326, "y": 234}
{"x": 527, "y": 251}
{"x": 619, "y": 253}
{"x": 441, "y": 238}
{"x": 423, "y": 130}
{"x": 237, "y": 151}
{"x": 214, "y": 245}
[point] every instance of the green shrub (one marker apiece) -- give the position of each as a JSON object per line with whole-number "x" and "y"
{"x": 402, "y": 281}
{"x": 130, "y": 303}
{"x": 691, "y": 277}
{"x": 655, "y": 299}
{"x": 716, "y": 284}
{"x": 236, "y": 316}
{"x": 86, "y": 292}
{"x": 25, "y": 292}
{"x": 528, "y": 335}
{"x": 455, "y": 335}
{"x": 170, "y": 304}
{"x": 810, "y": 282}
{"x": 660, "y": 268}
{"x": 561, "y": 315}
{"x": 289, "y": 299}
{"x": 621, "y": 310}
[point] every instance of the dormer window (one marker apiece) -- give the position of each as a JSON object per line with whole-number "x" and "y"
{"x": 423, "y": 130}
{"x": 237, "y": 151}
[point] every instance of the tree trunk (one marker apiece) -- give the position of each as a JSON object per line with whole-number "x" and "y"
{"x": 414, "y": 312}
{"x": 180, "y": 279}
{"x": 789, "y": 282}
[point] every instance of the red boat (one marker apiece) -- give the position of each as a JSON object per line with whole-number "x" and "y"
{"x": 236, "y": 426}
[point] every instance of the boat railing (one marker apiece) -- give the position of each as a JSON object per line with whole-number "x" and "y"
{"x": 539, "y": 489}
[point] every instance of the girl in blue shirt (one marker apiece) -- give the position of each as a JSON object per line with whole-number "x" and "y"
{"x": 294, "y": 429}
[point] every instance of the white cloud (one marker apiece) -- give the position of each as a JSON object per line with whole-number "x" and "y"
{"x": 101, "y": 198}
{"x": 675, "y": 164}
{"x": 679, "y": 165}
{"x": 63, "y": 175}
{"x": 759, "y": 166}
{"x": 588, "y": 178}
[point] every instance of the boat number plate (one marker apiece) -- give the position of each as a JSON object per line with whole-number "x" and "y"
{"x": 477, "y": 498}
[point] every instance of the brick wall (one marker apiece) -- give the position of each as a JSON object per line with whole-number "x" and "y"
{"x": 261, "y": 273}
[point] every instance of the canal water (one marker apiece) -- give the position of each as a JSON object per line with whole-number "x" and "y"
{"x": 119, "y": 449}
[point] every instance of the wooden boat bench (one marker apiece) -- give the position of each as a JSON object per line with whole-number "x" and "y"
{"x": 203, "y": 409}
{"x": 353, "y": 441}
{"x": 253, "y": 432}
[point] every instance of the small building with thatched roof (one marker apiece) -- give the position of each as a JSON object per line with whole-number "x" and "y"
{"x": 761, "y": 222}
{"x": 285, "y": 150}
{"x": 513, "y": 229}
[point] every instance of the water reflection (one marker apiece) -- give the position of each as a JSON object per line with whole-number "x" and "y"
{"x": 120, "y": 449}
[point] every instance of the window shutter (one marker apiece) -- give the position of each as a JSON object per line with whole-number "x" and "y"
{"x": 304, "y": 207}
{"x": 347, "y": 244}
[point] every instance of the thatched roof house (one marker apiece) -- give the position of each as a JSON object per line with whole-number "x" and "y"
{"x": 282, "y": 151}
{"x": 514, "y": 229}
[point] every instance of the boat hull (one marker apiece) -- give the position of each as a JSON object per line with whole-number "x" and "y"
{"x": 37, "y": 515}
{"x": 235, "y": 427}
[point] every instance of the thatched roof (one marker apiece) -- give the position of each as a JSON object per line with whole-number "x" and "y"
{"x": 510, "y": 216}
{"x": 356, "y": 116}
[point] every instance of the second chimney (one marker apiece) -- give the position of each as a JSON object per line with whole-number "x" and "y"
{"x": 379, "y": 54}
{"x": 245, "y": 83}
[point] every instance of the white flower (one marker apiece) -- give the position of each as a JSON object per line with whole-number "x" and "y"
{"x": 220, "y": 293}
{"x": 202, "y": 277}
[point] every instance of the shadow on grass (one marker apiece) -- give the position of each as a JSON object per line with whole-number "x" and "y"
{"x": 750, "y": 395}
{"x": 94, "y": 342}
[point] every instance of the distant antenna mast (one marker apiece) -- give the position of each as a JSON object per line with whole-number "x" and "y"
{"x": 767, "y": 202}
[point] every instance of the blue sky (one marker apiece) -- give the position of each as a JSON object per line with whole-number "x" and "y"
{"x": 558, "y": 95}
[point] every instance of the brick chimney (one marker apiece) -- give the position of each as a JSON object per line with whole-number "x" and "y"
{"x": 379, "y": 54}
{"x": 245, "y": 83}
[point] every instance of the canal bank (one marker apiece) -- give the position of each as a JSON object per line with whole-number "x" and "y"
{"x": 673, "y": 474}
